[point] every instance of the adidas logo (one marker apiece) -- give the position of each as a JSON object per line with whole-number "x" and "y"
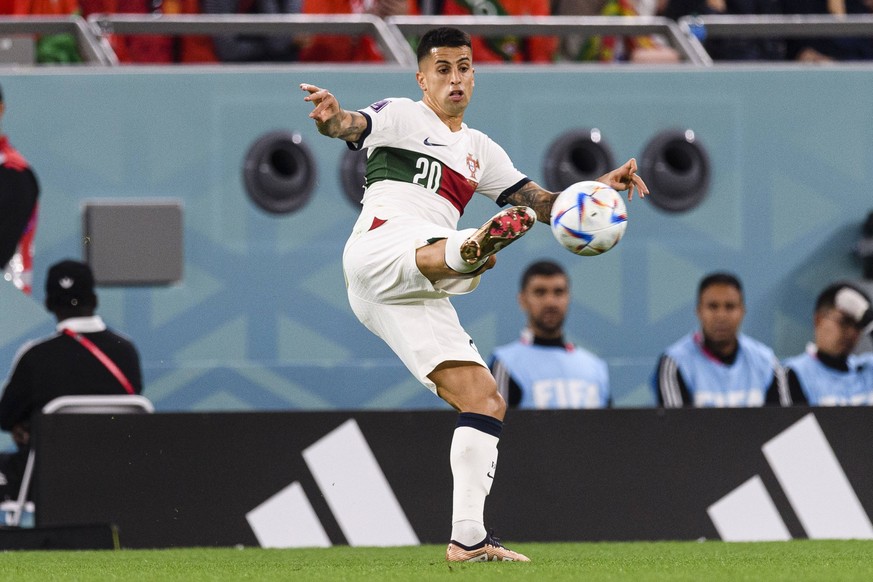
{"x": 356, "y": 490}
{"x": 814, "y": 483}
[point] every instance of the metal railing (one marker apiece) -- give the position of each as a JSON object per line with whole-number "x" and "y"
{"x": 89, "y": 47}
{"x": 390, "y": 34}
{"x": 393, "y": 45}
{"x": 778, "y": 26}
{"x": 688, "y": 47}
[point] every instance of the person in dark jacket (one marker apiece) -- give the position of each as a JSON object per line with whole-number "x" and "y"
{"x": 83, "y": 356}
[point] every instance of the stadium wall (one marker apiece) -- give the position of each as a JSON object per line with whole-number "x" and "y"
{"x": 259, "y": 320}
{"x": 303, "y": 479}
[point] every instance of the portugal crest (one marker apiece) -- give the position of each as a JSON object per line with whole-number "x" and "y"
{"x": 473, "y": 166}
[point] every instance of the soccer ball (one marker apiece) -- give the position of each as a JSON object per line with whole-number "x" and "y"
{"x": 588, "y": 218}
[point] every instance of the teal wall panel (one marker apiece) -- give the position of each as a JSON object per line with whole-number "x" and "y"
{"x": 260, "y": 319}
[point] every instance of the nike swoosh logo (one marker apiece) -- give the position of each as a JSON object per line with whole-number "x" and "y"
{"x": 427, "y": 142}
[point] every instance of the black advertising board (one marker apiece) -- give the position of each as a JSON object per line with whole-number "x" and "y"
{"x": 383, "y": 478}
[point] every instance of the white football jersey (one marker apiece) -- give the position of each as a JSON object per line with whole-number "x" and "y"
{"x": 417, "y": 166}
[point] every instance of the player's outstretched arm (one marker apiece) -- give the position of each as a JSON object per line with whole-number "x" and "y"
{"x": 534, "y": 196}
{"x": 625, "y": 178}
{"x": 331, "y": 119}
{"x": 541, "y": 200}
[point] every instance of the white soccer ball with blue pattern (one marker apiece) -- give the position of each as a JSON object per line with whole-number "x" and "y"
{"x": 588, "y": 218}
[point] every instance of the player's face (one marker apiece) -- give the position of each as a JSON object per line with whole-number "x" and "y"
{"x": 546, "y": 300}
{"x": 720, "y": 310}
{"x": 446, "y": 79}
{"x": 836, "y": 332}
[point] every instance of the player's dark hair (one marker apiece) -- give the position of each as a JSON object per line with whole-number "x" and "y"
{"x": 440, "y": 37}
{"x": 719, "y": 278}
{"x": 828, "y": 297}
{"x": 542, "y": 268}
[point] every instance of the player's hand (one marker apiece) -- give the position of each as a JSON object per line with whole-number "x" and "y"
{"x": 625, "y": 178}
{"x": 327, "y": 108}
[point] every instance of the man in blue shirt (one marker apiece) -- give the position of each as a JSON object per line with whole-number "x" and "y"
{"x": 541, "y": 369}
{"x": 717, "y": 366}
{"x": 828, "y": 373}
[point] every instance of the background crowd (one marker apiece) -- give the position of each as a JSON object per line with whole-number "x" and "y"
{"x": 165, "y": 49}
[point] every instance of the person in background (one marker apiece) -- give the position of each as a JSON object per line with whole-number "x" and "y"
{"x": 510, "y": 48}
{"x": 828, "y": 373}
{"x": 83, "y": 356}
{"x": 726, "y": 48}
{"x": 638, "y": 49}
{"x": 717, "y": 366}
{"x": 239, "y": 48}
{"x": 541, "y": 369}
{"x": 830, "y": 48}
{"x": 59, "y": 48}
{"x": 345, "y": 48}
{"x": 154, "y": 48}
{"x": 19, "y": 196}
{"x": 864, "y": 252}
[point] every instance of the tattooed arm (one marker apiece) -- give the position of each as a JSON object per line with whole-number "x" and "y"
{"x": 535, "y": 196}
{"x": 331, "y": 119}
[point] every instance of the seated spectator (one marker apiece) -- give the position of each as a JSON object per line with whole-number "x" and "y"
{"x": 828, "y": 373}
{"x": 510, "y": 48}
{"x": 345, "y": 48}
{"x": 717, "y": 366}
{"x": 832, "y": 48}
{"x": 732, "y": 49}
{"x": 640, "y": 49}
{"x": 50, "y": 48}
{"x": 154, "y": 48}
{"x": 864, "y": 252}
{"x": 236, "y": 48}
{"x": 82, "y": 357}
{"x": 543, "y": 370}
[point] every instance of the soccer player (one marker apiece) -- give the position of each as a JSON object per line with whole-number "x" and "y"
{"x": 828, "y": 373}
{"x": 19, "y": 195}
{"x": 541, "y": 369}
{"x": 405, "y": 258}
{"x": 718, "y": 366}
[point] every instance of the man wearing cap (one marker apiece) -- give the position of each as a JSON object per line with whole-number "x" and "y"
{"x": 19, "y": 191}
{"x": 828, "y": 373}
{"x": 82, "y": 357}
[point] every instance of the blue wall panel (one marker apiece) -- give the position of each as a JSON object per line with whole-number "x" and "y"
{"x": 260, "y": 320}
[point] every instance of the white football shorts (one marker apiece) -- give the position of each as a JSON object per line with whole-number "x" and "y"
{"x": 391, "y": 297}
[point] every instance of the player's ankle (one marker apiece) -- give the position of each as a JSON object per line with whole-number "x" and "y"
{"x": 468, "y": 532}
{"x": 454, "y": 260}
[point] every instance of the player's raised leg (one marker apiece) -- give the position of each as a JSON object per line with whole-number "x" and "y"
{"x": 471, "y": 390}
{"x": 467, "y": 250}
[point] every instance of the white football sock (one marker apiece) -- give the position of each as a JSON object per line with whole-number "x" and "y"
{"x": 473, "y": 459}
{"x": 453, "y": 251}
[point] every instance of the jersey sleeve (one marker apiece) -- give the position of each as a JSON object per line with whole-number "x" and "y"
{"x": 670, "y": 389}
{"x": 385, "y": 121}
{"x": 501, "y": 177}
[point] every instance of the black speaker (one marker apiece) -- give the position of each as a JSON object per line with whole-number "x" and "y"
{"x": 279, "y": 172}
{"x": 353, "y": 167}
{"x": 577, "y": 155}
{"x": 676, "y": 169}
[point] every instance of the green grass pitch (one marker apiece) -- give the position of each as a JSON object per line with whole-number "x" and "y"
{"x": 708, "y": 561}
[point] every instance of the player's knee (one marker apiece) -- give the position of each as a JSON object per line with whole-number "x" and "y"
{"x": 499, "y": 405}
